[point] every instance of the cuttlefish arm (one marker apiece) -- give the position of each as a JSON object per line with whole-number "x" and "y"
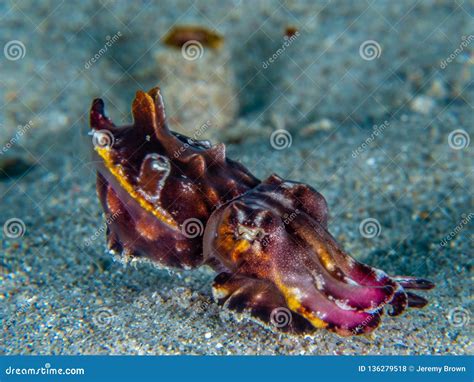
{"x": 285, "y": 269}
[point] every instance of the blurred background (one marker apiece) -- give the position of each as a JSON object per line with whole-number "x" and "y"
{"x": 370, "y": 102}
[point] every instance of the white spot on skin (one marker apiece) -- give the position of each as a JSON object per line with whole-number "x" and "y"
{"x": 320, "y": 315}
{"x": 258, "y": 296}
{"x": 240, "y": 216}
{"x": 159, "y": 166}
{"x": 351, "y": 262}
{"x": 287, "y": 185}
{"x": 300, "y": 296}
{"x": 350, "y": 281}
{"x": 258, "y": 219}
{"x": 344, "y": 304}
{"x": 206, "y": 144}
{"x": 186, "y": 187}
{"x": 318, "y": 278}
{"x": 330, "y": 267}
{"x": 380, "y": 275}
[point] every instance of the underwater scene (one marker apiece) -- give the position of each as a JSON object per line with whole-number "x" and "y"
{"x": 275, "y": 177}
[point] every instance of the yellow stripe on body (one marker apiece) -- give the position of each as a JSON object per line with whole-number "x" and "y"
{"x": 118, "y": 173}
{"x": 295, "y": 305}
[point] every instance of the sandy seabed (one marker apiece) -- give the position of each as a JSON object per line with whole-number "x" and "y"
{"x": 61, "y": 293}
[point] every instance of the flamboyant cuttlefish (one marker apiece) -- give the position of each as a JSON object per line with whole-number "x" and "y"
{"x": 181, "y": 203}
